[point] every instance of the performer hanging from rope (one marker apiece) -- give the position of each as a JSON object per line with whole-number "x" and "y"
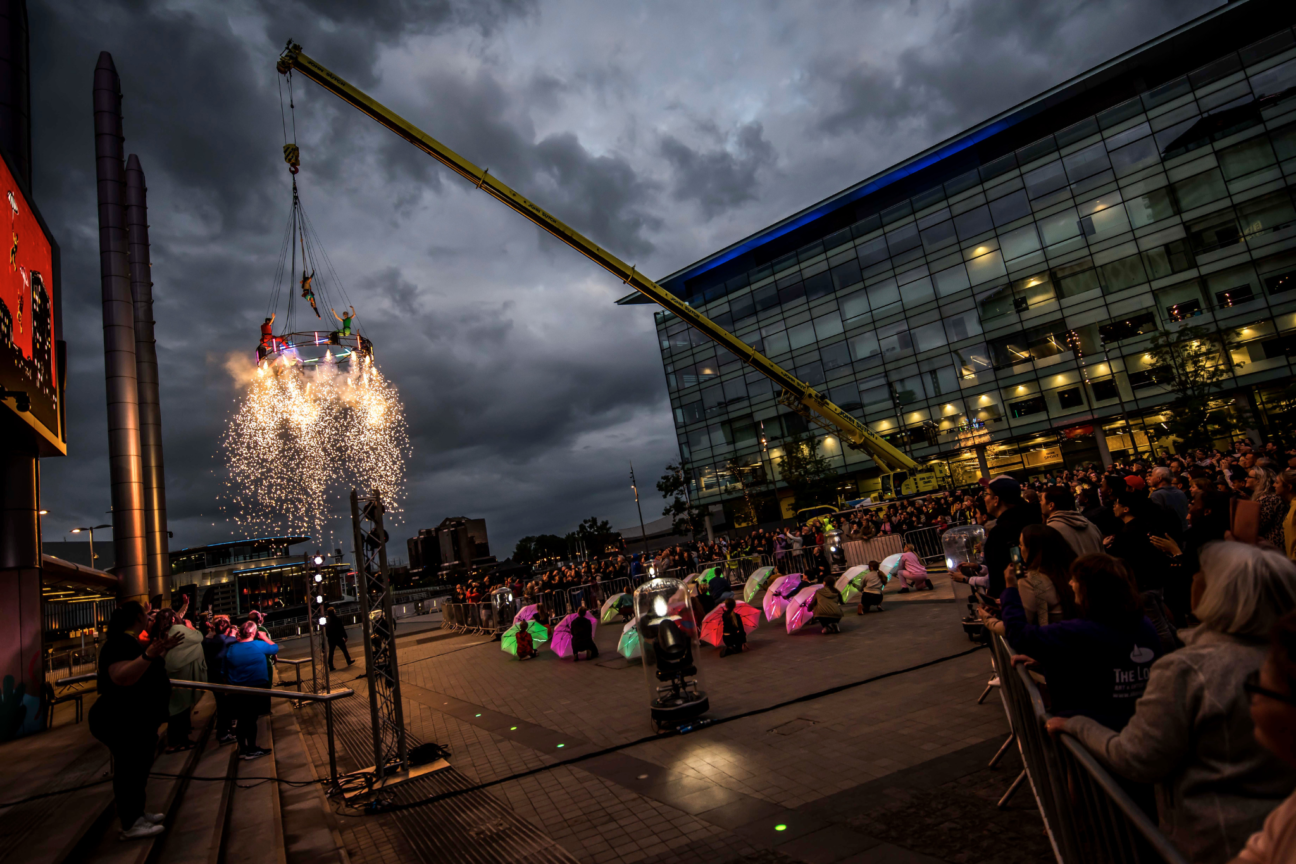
{"x": 346, "y": 321}
{"x": 308, "y": 294}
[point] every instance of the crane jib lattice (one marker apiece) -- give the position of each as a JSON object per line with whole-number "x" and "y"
{"x": 373, "y": 590}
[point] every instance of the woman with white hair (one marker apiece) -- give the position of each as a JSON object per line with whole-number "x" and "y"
{"x": 1192, "y": 733}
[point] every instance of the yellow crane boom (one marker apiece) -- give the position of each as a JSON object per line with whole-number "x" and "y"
{"x": 797, "y": 395}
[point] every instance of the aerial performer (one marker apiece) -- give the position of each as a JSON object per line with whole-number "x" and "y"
{"x": 345, "y": 319}
{"x": 308, "y": 294}
{"x": 267, "y": 333}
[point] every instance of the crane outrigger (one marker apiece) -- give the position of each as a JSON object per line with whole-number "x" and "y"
{"x": 901, "y": 474}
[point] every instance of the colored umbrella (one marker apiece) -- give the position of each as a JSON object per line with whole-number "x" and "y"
{"x": 800, "y": 608}
{"x": 561, "y": 644}
{"x": 508, "y": 641}
{"x": 890, "y": 564}
{"x": 612, "y": 607}
{"x": 780, "y": 591}
{"x": 526, "y": 613}
{"x": 851, "y": 583}
{"x": 629, "y": 646}
{"x": 713, "y": 626}
{"x": 756, "y": 583}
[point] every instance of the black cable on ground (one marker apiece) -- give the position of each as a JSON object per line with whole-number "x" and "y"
{"x": 432, "y": 799}
{"x": 70, "y": 789}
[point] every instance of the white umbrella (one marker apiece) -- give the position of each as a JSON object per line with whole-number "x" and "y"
{"x": 851, "y": 583}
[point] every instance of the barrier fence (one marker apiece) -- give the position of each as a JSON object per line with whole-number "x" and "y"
{"x": 1087, "y": 813}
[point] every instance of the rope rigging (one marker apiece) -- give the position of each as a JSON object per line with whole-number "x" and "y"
{"x": 311, "y": 292}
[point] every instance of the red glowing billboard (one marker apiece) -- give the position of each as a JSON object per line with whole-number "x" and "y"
{"x": 29, "y": 370}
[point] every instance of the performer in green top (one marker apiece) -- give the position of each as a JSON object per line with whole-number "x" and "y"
{"x": 346, "y": 321}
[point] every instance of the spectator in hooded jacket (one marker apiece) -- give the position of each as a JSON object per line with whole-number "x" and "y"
{"x": 1192, "y": 734}
{"x": 1057, "y": 505}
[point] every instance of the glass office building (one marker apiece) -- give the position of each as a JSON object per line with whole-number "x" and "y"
{"x": 991, "y": 302}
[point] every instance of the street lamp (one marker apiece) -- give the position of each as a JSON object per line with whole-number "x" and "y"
{"x": 90, "y": 530}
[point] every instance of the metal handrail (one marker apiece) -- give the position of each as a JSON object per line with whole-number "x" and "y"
{"x": 1151, "y": 833}
{"x": 327, "y": 699}
{"x": 263, "y": 691}
{"x": 1087, "y": 814}
{"x": 297, "y": 664}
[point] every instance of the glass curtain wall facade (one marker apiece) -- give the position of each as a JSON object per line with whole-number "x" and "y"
{"x": 1012, "y": 306}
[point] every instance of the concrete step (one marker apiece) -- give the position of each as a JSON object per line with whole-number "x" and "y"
{"x": 163, "y": 796}
{"x": 196, "y": 833}
{"x": 254, "y": 834}
{"x": 48, "y": 828}
{"x": 310, "y": 833}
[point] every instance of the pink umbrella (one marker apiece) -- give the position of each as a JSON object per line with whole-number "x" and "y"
{"x": 561, "y": 643}
{"x": 801, "y": 608}
{"x": 778, "y": 594}
{"x": 713, "y": 627}
{"x": 526, "y": 613}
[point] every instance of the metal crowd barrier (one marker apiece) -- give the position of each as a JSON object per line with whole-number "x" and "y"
{"x": 736, "y": 570}
{"x": 1087, "y": 814}
{"x": 926, "y": 543}
{"x": 860, "y": 552}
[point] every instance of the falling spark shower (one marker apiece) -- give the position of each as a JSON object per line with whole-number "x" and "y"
{"x": 303, "y": 434}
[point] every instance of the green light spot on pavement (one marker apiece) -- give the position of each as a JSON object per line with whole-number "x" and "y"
{"x": 780, "y": 827}
{"x": 478, "y": 715}
{"x": 512, "y": 728}
{"x": 562, "y": 745}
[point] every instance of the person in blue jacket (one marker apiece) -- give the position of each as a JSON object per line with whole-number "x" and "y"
{"x": 245, "y": 666}
{"x": 1097, "y": 664}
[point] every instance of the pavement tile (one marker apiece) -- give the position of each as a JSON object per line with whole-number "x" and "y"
{"x": 828, "y": 845}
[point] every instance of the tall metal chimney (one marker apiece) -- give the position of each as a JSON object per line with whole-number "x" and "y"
{"x": 15, "y": 87}
{"x": 124, "y": 462}
{"x": 146, "y": 369}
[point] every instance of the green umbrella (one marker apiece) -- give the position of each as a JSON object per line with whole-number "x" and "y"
{"x": 508, "y": 642}
{"x": 757, "y": 583}
{"x": 709, "y": 574}
{"x": 629, "y": 645}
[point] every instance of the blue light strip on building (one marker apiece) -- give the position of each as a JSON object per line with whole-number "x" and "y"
{"x": 899, "y": 173}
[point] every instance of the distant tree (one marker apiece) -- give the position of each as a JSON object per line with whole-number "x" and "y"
{"x": 686, "y": 520}
{"x": 811, "y": 478}
{"x": 534, "y": 549}
{"x": 1191, "y": 363}
{"x": 596, "y": 536}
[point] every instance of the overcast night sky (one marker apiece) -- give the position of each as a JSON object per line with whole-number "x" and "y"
{"x": 663, "y": 130}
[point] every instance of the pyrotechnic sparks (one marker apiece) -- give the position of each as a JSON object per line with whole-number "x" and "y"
{"x": 304, "y": 434}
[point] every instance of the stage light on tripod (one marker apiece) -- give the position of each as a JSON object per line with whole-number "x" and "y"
{"x": 319, "y": 577}
{"x": 319, "y": 598}
{"x": 323, "y": 621}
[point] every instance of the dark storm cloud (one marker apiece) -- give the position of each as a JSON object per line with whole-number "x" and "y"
{"x": 527, "y": 391}
{"x": 719, "y": 178}
{"x": 599, "y": 194}
{"x": 985, "y": 57}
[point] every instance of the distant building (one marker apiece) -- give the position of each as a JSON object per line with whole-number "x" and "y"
{"x": 660, "y": 533}
{"x": 78, "y": 552}
{"x": 458, "y": 543}
{"x": 992, "y": 301}
{"x": 261, "y": 573}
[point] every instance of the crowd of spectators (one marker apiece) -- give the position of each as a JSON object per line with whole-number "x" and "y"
{"x": 147, "y": 646}
{"x": 1151, "y": 629}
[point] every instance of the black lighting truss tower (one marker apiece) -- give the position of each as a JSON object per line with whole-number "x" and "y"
{"x": 373, "y": 589}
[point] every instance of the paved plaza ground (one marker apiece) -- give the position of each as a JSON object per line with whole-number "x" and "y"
{"x": 893, "y": 769}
